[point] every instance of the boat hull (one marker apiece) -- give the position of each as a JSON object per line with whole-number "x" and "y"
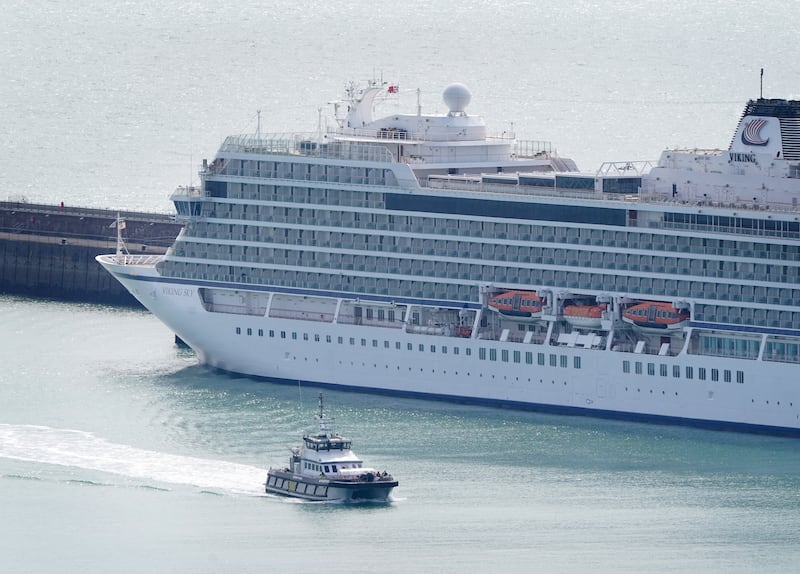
{"x": 286, "y": 483}
{"x": 562, "y": 379}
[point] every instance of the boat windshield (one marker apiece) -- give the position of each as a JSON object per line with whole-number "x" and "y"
{"x": 327, "y": 444}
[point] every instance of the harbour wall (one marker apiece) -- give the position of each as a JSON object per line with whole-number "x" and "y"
{"x": 49, "y": 251}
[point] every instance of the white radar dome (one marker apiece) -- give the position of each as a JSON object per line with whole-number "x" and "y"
{"x": 456, "y": 97}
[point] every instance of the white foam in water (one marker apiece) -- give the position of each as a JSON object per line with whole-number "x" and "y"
{"x": 84, "y": 450}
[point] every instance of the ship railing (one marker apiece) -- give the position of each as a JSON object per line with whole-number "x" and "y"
{"x": 188, "y": 191}
{"x": 411, "y": 136}
{"x": 306, "y": 144}
{"x": 352, "y": 319}
{"x": 533, "y": 148}
{"x": 137, "y": 259}
{"x": 473, "y": 184}
{"x": 647, "y": 194}
{"x": 522, "y": 148}
{"x": 230, "y": 309}
{"x": 629, "y": 168}
{"x": 320, "y": 317}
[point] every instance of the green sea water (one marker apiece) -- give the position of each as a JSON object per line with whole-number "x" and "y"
{"x": 119, "y": 453}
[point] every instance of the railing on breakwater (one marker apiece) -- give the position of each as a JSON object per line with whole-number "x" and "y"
{"x": 77, "y": 223}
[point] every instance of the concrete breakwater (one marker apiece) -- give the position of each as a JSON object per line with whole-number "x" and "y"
{"x": 49, "y": 250}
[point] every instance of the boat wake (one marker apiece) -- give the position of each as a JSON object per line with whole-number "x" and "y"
{"x": 80, "y": 449}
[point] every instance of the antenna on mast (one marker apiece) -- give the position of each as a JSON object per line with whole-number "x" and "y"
{"x": 761, "y": 91}
{"x": 258, "y": 125}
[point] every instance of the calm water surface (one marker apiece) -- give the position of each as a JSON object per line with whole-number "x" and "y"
{"x": 118, "y": 453}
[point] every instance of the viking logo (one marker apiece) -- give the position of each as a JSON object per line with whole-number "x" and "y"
{"x": 750, "y": 133}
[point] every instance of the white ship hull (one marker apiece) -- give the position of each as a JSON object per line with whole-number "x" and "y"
{"x": 770, "y": 402}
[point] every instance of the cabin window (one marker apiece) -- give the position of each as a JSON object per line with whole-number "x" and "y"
{"x": 701, "y": 373}
{"x": 662, "y": 370}
{"x": 540, "y": 358}
{"x": 517, "y": 357}
{"x": 327, "y": 468}
{"x": 676, "y": 371}
{"x": 563, "y": 361}
{"x": 626, "y": 366}
{"x": 576, "y": 362}
{"x": 726, "y": 374}
{"x": 238, "y": 330}
{"x": 689, "y": 372}
{"x": 492, "y": 354}
{"x": 271, "y": 333}
{"x": 468, "y": 351}
{"x": 638, "y": 367}
{"x": 740, "y": 377}
{"x": 482, "y": 353}
{"x": 553, "y": 360}
{"x": 715, "y": 375}
{"x": 334, "y": 468}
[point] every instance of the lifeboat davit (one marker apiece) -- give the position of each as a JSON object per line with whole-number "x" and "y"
{"x": 518, "y": 305}
{"x": 658, "y": 317}
{"x": 585, "y": 316}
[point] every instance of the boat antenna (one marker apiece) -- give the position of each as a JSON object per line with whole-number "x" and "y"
{"x": 761, "y": 92}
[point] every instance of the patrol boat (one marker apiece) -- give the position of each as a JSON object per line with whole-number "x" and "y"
{"x": 324, "y": 468}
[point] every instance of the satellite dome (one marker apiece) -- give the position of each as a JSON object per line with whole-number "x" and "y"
{"x": 456, "y": 97}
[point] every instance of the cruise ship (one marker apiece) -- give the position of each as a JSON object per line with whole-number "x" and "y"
{"x": 420, "y": 254}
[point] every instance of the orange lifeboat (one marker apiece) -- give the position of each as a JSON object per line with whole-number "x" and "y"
{"x": 585, "y": 316}
{"x": 518, "y": 305}
{"x": 656, "y": 316}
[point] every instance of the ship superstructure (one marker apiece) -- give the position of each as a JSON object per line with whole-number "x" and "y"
{"x": 417, "y": 254}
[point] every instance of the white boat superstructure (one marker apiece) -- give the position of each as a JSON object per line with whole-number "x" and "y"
{"x": 376, "y": 256}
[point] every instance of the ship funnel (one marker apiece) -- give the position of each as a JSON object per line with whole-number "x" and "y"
{"x": 768, "y": 128}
